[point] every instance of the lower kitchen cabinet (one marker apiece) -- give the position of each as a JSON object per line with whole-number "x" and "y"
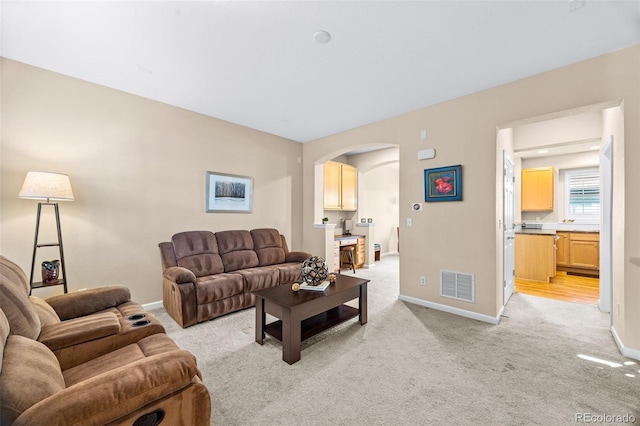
{"x": 535, "y": 257}
{"x": 582, "y": 252}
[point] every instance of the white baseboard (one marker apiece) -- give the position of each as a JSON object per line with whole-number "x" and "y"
{"x": 152, "y": 305}
{"x": 452, "y": 310}
{"x": 628, "y": 352}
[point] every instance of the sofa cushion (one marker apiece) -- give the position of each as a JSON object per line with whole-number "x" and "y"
{"x": 14, "y": 274}
{"x": 22, "y": 316}
{"x": 256, "y": 279}
{"x": 259, "y": 278}
{"x": 236, "y": 250}
{"x": 267, "y": 244}
{"x": 45, "y": 312}
{"x": 217, "y": 287}
{"x": 198, "y": 252}
{"x": 149, "y": 346}
{"x": 23, "y": 384}
{"x": 79, "y": 330}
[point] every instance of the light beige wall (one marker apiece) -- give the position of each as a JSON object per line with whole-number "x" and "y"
{"x": 378, "y": 193}
{"x": 137, "y": 168}
{"x": 380, "y": 189}
{"x": 457, "y": 235}
{"x": 575, "y": 127}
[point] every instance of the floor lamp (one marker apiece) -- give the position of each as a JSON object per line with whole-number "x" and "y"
{"x": 48, "y": 187}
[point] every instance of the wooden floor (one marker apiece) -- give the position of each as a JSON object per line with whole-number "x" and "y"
{"x": 569, "y": 288}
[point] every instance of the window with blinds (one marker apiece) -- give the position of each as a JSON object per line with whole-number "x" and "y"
{"x": 583, "y": 194}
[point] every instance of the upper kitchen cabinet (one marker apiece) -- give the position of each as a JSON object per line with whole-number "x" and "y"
{"x": 340, "y": 186}
{"x": 537, "y": 189}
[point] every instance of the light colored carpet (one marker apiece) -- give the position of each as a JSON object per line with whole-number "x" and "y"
{"x": 411, "y": 365}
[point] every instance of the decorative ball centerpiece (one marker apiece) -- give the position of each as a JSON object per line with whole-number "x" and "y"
{"x": 314, "y": 270}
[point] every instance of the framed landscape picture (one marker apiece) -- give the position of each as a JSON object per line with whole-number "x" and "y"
{"x": 229, "y": 193}
{"x": 443, "y": 184}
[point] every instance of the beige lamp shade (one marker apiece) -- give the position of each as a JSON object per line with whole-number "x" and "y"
{"x": 46, "y": 186}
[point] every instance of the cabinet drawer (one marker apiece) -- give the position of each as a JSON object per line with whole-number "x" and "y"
{"x": 349, "y": 242}
{"x": 584, "y": 236}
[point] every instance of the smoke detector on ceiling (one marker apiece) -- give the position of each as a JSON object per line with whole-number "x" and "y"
{"x": 322, "y": 37}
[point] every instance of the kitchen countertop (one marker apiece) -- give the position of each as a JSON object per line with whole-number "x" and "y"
{"x": 534, "y": 231}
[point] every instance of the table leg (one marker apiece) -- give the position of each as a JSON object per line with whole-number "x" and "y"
{"x": 261, "y": 318}
{"x": 362, "y": 304}
{"x": 291, "y": 334}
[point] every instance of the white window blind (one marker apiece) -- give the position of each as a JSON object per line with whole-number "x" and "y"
{"x": 583, "y": 193}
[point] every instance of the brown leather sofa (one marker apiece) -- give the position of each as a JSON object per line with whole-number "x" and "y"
{"x": 206, "y": 274}
{"x": 92, "y": 357}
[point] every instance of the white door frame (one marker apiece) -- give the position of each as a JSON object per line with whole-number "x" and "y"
{"x": 508, "y": 233}
{"x": 606, "y": 193}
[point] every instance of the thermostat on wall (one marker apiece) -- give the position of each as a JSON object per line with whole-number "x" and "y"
{"x": 416, "y": 206}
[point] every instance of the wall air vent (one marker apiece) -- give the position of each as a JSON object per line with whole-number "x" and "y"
{"x": 458, "y": 285}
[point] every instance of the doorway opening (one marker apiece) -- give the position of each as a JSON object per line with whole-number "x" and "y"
{"x": 375, "y": 215}
{"x": 563, "y": 142}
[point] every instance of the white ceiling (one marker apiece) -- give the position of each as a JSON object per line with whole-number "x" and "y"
{"x": 257, "y": 64}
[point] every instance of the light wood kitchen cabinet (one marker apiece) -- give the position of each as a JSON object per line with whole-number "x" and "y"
{"x": 332, "y": 185}
{"x": 537, "y": 189}
{"x": 579, "y": 252}
{"x": 584, "y": 250}
{"x": 535, "y": 257}
{"x": 562, "y": 249}
{"x": 340, "y": 186}
{"x": 349, "y": 187}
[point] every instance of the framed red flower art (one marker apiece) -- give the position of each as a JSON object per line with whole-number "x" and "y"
{"x": 443, "y": 184}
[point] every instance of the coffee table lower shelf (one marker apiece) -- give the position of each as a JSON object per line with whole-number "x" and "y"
{"x": 316, "y": 324}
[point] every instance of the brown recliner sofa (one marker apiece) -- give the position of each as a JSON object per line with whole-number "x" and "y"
{"x": 76, "y": 327}
{"x": 91, "y": 358}
{"x": 143, "y": 383}
{"x": 206, "y": 274}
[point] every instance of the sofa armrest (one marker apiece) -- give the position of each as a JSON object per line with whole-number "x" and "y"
{"x": 109, "y": 396}
{"x": 297, "y": 256}
{"x": 81, "y": 303}
{"x": 179, "y": 275}
{"x": 79, "y": 330}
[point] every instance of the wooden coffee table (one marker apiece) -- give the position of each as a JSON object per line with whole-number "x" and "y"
{"x": 305, "y": 313}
